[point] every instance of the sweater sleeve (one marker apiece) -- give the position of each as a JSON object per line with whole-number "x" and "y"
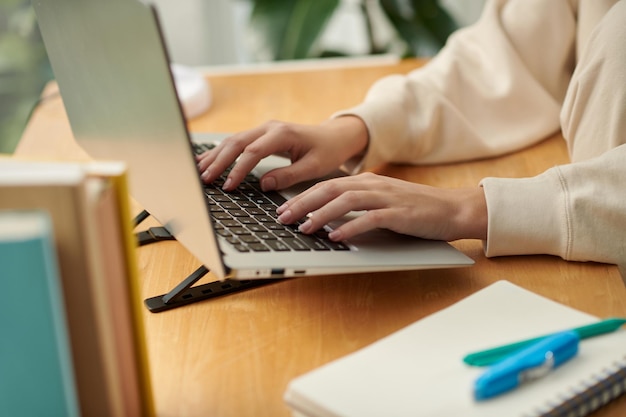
{"x": 497, "y": 86}
{"x": 575, "y": 211}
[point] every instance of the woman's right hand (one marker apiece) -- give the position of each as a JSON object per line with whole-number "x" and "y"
{"x": 314, "y": 151}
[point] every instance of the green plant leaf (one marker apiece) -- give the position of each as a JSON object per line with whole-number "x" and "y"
{"x": 423, "y": 24}
{"x": 288, "y": 29}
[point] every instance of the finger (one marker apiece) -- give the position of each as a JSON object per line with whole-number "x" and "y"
{"x": 269, "y": 143}
{"x": 373, "y": 219}
{"x": 216, "y": 161}
{"x": 301, "y": 170}
{"x": 331, "y": 189}
{"x": 310, "y": 200}
{"x": 209, "y": 165}
{"x": 347, "y": 202}
{"x": 205, "y": 159}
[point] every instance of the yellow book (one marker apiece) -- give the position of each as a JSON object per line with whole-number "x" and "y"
{"x": 120, "y": 295}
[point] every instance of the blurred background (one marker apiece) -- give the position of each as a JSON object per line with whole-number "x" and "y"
{"x": 239, "y": 33}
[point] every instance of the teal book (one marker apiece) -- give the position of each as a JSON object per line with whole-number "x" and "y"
{"x": 36, "y": 372}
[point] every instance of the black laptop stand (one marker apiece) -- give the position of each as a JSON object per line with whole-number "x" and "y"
{"x": 184, "y": 293}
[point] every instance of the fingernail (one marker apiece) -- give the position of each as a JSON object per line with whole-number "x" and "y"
{"x": 285, "y": 217}
{"x": 305, "y": 227}
{"x": 335, "y": 235}
{"x": 227, "y": 183}
{"x": 282, "y": 208}
{"x": 268, "y": 184}
{"x": 205, "y": 174}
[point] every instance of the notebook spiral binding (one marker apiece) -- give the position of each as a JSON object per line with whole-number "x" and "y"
{"x": 585, "y": 398}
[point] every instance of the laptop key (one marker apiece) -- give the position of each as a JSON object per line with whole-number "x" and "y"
{"x": 258, "y": 247}
{"x": 336, "y": 245}
{"x": 246, "y": 204}
{"x": 277, "y": 245}
{"x": 230, "y": 206}
{"x": 249, "y": 239}
{"x": 273, "y": 225}
{"x": 283, "y": 234}
{"x": 241, "y": 248}
{"x": 255, "y": 211}
{"x": 261, "y": 200}
{"x": 230, "y": 223}
{"x": 219, "y": 198}
{"x": 275, "y": 197}
{"x": 247, "y": 220}
{"x": 223, "y": 232}
{"x": 266, "y": 236}
{"x": 221, "y": 215}
{"x": 296, "y": 244}
{"x": 256, "y": 228}
{"x": 313, "y": 242}
{"x": 238, "y": 197}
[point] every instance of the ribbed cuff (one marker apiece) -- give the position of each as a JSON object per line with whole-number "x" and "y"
{"x": 527, "y": 215}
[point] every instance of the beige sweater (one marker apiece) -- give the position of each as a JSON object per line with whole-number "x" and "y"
{"x": 525, "y": 70}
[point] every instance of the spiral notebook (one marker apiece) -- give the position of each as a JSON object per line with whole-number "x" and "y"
{"x": 418, "y": 371}
{"x": 598, "y": 390}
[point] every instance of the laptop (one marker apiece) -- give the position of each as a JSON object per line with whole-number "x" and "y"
{"x": 112, "y": 67}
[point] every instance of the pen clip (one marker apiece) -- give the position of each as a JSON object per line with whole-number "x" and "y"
{"x": 538, "y": 371}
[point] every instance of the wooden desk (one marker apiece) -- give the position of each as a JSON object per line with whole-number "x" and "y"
{"x": 233, "y": 357}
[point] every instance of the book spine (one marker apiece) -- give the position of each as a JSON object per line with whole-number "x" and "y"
{"x": 137, "y": 308}
{"x": 597, "y": 391}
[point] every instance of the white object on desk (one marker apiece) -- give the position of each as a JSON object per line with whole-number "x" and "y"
{"x": 419, "y": 371}
{"x": 193, "y": 90}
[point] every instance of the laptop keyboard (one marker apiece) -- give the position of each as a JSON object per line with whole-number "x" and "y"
{"x": 246, "y": 218}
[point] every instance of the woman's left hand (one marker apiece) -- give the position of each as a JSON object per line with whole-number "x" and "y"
{"x": 389, "y": 203}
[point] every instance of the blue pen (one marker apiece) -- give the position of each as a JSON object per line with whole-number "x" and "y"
{"x": 526, "y": 365}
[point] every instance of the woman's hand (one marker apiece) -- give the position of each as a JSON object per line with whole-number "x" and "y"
{"x": 404, "y": 207}
{"x": 314, "y": 151}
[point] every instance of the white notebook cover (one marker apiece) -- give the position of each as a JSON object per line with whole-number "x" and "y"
{"x": 418, "y": 371}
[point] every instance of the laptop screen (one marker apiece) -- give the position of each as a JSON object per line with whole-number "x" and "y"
{"x": 113, "y": 71}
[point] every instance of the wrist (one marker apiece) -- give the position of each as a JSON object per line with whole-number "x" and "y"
{"x": 473, "y": 216}
{"x": 352, "y": 132}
